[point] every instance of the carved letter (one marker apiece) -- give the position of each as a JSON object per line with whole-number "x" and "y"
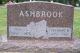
{"x": 55, "y": 14}
{"x": 26, "y": 14}
{"x": 60, "y": 14}
{"x": 32, "y": 13}
{"x": 48, "y": 14}
{"x": 43, "y": 14}
{"x": 21, "y": 13}
{"x": 37, "y": 14}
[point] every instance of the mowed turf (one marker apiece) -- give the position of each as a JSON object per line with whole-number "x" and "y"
{"x": 76, "y": 23}
{"x": 3, "y": 21}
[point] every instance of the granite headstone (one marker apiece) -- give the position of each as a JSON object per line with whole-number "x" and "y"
{"x": 40, "y": 19}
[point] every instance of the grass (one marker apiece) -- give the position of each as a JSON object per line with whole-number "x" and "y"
{"x": 76, "y": 24}
{"x": 3, "y": 21}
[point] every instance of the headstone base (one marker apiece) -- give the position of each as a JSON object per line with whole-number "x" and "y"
{"x": 40, "y": 38}
{"x": 41, "y": 46}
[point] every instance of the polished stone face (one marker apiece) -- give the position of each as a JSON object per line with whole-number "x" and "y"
{"x": 40, "y": 19}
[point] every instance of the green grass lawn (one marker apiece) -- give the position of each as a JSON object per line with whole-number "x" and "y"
{"x": 3, "y": 21}
{"x": 76, "y": 22}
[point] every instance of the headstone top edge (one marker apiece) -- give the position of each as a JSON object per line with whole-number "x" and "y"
{"x": 41, "y": 2}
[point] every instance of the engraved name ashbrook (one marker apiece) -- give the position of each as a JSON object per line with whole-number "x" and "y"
{"x": 40, "y": 19}
{"x": 49, "y": 14}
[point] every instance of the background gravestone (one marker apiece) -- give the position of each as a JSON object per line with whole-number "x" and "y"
{"x": 40, "y": 19}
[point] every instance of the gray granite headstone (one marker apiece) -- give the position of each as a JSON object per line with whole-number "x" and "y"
{"x": 40, "y": 19}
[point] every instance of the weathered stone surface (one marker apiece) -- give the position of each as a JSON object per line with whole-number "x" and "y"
{"x": 40, "y": 19}
{"x": 3, "y": 38}
{"x": 41, "y": 46}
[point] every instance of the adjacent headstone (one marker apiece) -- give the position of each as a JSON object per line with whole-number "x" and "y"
{"x": 3, "y": 38}
{"x": 40, "y": 19}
